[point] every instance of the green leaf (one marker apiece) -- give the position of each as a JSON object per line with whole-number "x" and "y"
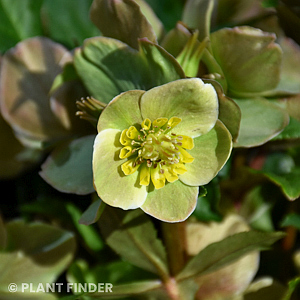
{"x": 265, "y": 289}
{"x": 133, "y": 236}
{"x": 35, "y": 253}
{"x": 59, "y": 170}
{"x": 68, "y": 74}
{"x": 278, "y": 163}
{"x": 291, "y": 104}
{"x": 90, "y": 236}
{"x": 93, "y": 213}
{"x": 130, "y": 289}
{"x": 68, "y": 21}
{"x": 150, "y": 289}
{"x": 187, "y": 289}
{"x": 73, "y": 297}
{"x": 269, "y": 3}
{"x": 44, "y": 237}
{"x": 50, "y": 206}
{"x": 231, "y": 279}
{"x": 207, "y": 204}
{"x": 290, "y": 132}
{"x": 282, "y": 169}
{"x": 77, "y": 271}
{"x": 109, "y": 67}
{"x": 220, "y": 254}
{"x": 19, "y": 20}
{"x": 256, "y": 209}
{"x": 2, "y": 235}
{"x": 122, "y": 20}
{"x": 115, "y": 272}
{"x": 250, "y": 60}
{"x": 261, "y": 121}
{"x": 56, "y": 209}
{"x": 292, "y": 286}
{"x": 292, "y": 219}
{"x": 289, "y": 182}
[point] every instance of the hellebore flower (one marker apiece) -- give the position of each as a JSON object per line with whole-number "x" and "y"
{"x": 154, "y": 148}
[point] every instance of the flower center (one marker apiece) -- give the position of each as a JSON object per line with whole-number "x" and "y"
{"x": 156, "y": 150}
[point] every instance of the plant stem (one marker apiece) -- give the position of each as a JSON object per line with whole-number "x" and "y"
{"x": 174, "y": 235}
{"x": 172, "y": 289}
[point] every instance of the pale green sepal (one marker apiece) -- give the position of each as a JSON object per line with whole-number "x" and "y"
{"x": 173, "y": 203}
{"x": 229, "y": 112}
{"x": 211, "y": 151}
{"x": 122, "y": 112}
{"x": 261, "y": 121}
{"x": 191, "y": 100}
{"x": 249, "y": 58}
{"x": 112, "y": 186}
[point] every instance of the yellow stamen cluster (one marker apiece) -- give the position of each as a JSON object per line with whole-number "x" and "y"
{"x": 158, "y": 154}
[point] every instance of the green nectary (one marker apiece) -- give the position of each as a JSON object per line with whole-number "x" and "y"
{"x": 159, "y": 154}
